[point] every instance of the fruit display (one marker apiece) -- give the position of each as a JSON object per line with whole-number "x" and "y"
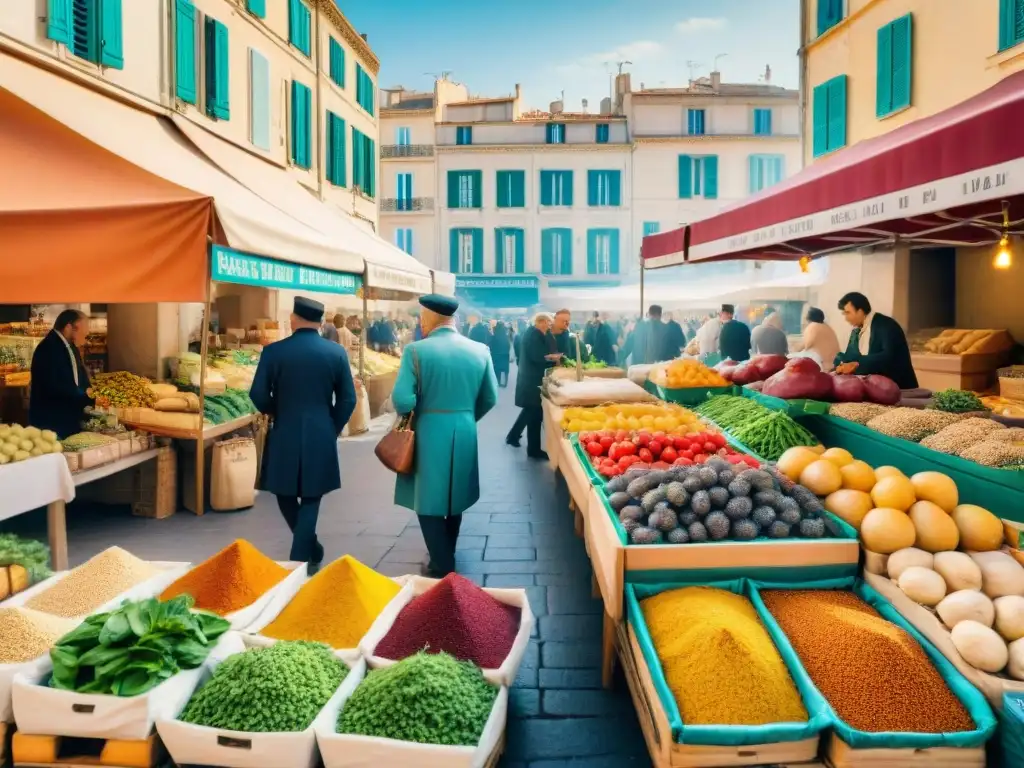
{"x": 379, "y": 364}
{"x": 956, "y": 341}
{"x": 613, "y": 452}
{"x": 686, "y": 374}
{"x": 631, "y": 416}
{"x": 766, "y": 432}
{"x": 18, "y": 443}
{"x": 237, "y": 366}
{"x": 590, "y": 365}
{"x": 124, "y": 390}
{"x": 957, "y": 401}
{"x": 1004, "y": 406}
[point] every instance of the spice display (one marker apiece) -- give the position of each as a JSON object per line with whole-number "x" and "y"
{"x": 124, "y": 389}
{"x": 18, "y": 443}
{"x": 956, "y": 438}
{"x": 234, "y": 578}
{"x": 719, "y": 661}
{"x": 426, "y": 699}
{"x": 860, "y": 413}
{"x": 93, "y": 583}
{"x": 957, "y": 401}
{"x": 996, "y": 453}
{"x": 873, "y": 673}
{"x": 336, "y": 607}
{"x": 26, "y": 634}
{"x": 654, "y": 416}
{"x": 279, "y": 689}
{"x": 912, "y": 424}
{"x": 134, "y": 648}
{"x": 454, "y": 616}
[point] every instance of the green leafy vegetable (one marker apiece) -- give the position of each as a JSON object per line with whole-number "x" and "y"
{"x": 957, "y": 401}
{"x": 31, "y": 555}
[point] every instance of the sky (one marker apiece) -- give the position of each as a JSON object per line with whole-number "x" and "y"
{"x": 574, "y": 45}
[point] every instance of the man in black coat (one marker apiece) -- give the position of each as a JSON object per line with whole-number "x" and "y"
{"x": 649, "y": 342}
{"x": 877, "y": 344}
{"x": 535, "y": 357}
{"x": 675, "y": 339}
{"x": 602, "y": 338}
{"x": 304, "y": 383}
{"x": 60, "y": 383}
{"x": 734, "y": 339}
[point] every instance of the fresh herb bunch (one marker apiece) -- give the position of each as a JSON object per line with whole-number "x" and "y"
{"x": 134, "y": 648}
{"x": 278, "y": 689}
{"x": 33, "y": 556}
{"x": 957, "y": 401}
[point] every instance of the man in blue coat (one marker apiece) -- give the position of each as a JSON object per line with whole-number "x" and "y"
{"x": 447, "y": 381}
{"x": 304, "y": 384}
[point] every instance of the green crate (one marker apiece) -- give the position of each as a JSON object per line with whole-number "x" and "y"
{"x": 688, "y": 396}
{"x": 795, "y": 408}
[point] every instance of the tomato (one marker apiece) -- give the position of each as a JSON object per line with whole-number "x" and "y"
{"x": 669, "y": 454}
{"x": 656, "y": 446}
{"x": 606, "y": 442}
{"x": 733, "y": 458}
{"x": 642, "y": 439}
{"x": 687, "y": 454}
{"x": 645, "y": 455}
{"x": 627, "y": 449}
{"x": 594, "y": 449}
{"x": 682, "y": 461}
{"x": 613, "y": 471}
{"x": 709, "y": 447}
{"x": 658, "y": 436}
{"x": 625, "y": 462}
{"x": 752, "y": 462}
{"x": 680, "y": 443}
{"x": 639, "y": 464}
{"x": 621, "y": 436}
{"x": 700, "y": 458}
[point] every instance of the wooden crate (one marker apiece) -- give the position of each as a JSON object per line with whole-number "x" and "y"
{"x": 64, "y": 752}
{"x": 974, "y": 372}
{"x": 839, "y": 754}
{"x": 158, "y": 486}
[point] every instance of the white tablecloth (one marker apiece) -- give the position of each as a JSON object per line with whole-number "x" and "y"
{"x": 34, "y": 483}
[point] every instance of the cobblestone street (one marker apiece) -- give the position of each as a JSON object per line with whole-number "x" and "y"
{"x": 520, "y": 534}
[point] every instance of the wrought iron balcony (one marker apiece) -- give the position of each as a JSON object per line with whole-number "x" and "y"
{"x": 406, "y": 150}
{"x": 410, "y": 204}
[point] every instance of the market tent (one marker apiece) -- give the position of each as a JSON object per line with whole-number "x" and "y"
{"x": 444, "y": 282}
{"x": 72, "y": 213}
{"x": 940, "y": 180}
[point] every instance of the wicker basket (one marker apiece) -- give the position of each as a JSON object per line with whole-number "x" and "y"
{"x": 1009, "y": 387}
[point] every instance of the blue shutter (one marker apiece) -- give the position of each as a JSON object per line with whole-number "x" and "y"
{"x": 478, "y": 250}
{"x": 778, "y": 168}
{"x": 614, "y": 187}
{"x": 185, "y": 51}
{"x": 518, "y": 189}
{"x": 372, "y": 152}
{"x": 903, "y": 61}
{"x": 547, "y": 251}
{"x": 499, "y": 251}
{"x": 408, "y": 241}
{"x": 592, "y": 235}
{"x": 217, "y": 70}
{"x": 1011, "y": 23}
{"x": 453, "y": 189}
{"x": 259, "y": 99}
{"x": 651, "y": 228}
{"x": 111, "y": 35}
{"x": 837, "y": 113}
{"x": 755, "y": 172}
{"x": 567, "y": 182}
{"x": 593, "y": 179}
{"x": 453, "y": 247}
{"x": 830, "y": 13}
{"x": 58, "y": 21}
{"x": 257, "y": 8}
{"x": 710, "y": 177}
{"x": 298, "y": 25}
{"x": 520, "y": 251}
{"x": 337, "y": 63}
{"x": 336, "y": 154}
{"x": 685, "y": 177}
{"x": 502, "y": 180}
{"x": 301, "y": 104}
{"x": 601, "y": 133}
{"x": 690, "y": 122}
{"x": 883, "y": 73}
{"x": 565, "y": 237}
{"x": 820, "y": 119}
{"x": 477, "y": 190}
{"x": 547, "y": 183}
{"x": 613, "y": 256}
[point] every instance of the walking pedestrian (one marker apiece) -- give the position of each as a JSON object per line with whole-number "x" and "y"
{"x": 447, "y": 381}
{"x": 304, "y": 384}
{"x": 535, "y": 357}
{"x": 500, "y": 353}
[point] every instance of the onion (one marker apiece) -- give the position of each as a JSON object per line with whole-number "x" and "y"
{"x": 847, "y": 389}
{"x": 769, "y": 365}
{"x": 802, "y": 365}
{"x": 745, "y": 373}
{"x": 881, "y": 389}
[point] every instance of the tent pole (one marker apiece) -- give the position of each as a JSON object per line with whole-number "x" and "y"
{"x": 363, "y": 332}
{"x": 200, "y": 444}
{"x": 641, "y": 286}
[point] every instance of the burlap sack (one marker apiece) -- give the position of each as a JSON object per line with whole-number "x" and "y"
{"x": 233, "y": 474}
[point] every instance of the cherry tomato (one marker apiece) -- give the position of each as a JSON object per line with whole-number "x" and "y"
{"x": 680, "y": 443}
{"x": 643, "y": 439}
{"x": 627, "y": 449}
{"x": 687, "y": 454}
{"x": 656, "y": 446}
{"x": 594, "y": 449}
{"x": 669, "y": 454}
{"x": 710, "y": 447}
{"x": 625, "y": 461}
{"x": 613, "y": 471}
{"x": 606, "y": 442}
{"x": 621, "y": 436}
{"x": 645, "y": 455}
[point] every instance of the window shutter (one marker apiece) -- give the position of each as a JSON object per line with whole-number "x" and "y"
{"x": 565, "y": 237}
{"x": 58, "y": 21}
{"x": 690, "y": 122}
{"x": 300, "y": 124}
{"x": 1007, "y": 23}
{"x": 711, "y": 177}
{"x": 337, "y": 63}
{"x": 518, "y": 189}
{"x": 520, "y": 251}
{"x": 592, "y": 235}
{"x": 754, "y": 170}
{"x": 257, "y": 8}
{"x": 884, "y": 72}
{"x": 184, "y": 51}
{"x": 593, "y": 179}
{"x": 502, "y": 183}
{"x": 111, "y": 34}
{"x": 477, "y": 190}
{"x": 567, "y": 182}
{"x": 547, "y": 251}
{"x": 371, "y": 154}
{"x": 329, "y": 168}
{"x": 222, "y": 102}
{"x": 547, "y": 187}
{"x": 685, "y": 177}
{"x": 259, "y": 100}
{"x": 602, "y": 132}
{"x": 615, "y": 187}
{"x": 478, "y": 250}
{"x": 408, "y": 241}
{"x": 830, "y": 13}
{"x": 453, "y": 245}
{"x": 778, "y": 169}
{"x": 837, "y": 113}
{"x": 902, "y": 61}
{"x": 340, "y": 155}
{"x": 820, "y": 119}
{"x": 613, "y": 256}
{"x": 499, "y": 250}
{"x": 453, "y": 189}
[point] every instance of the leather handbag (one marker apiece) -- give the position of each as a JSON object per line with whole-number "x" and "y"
{"x": 397, "y": 449}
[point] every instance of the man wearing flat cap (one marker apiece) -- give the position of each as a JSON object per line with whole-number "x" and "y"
{"x": 304, "y": 384}
{"x": 447, "y": 381}
{"x": 734, "y": 338}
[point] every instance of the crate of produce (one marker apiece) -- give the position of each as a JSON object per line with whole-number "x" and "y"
{"x": 687, "y": 395}
{"x": 1011, "y": 382}
{"x": 794, "y": 407}
{"x": 37, "y": 751}
{"x": 157, "y": 486}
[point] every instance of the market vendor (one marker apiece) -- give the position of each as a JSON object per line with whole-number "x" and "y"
{"x": 561, "y": 340}
{"x": 877, "y": 344}
{"x": 60, "y": 383}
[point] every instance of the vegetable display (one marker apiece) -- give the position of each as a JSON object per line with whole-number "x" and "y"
{"x": 758, "y": 368}
{"x": 686, "y": 374}
{"x": 635, "y": 416}
{"x": 18, "y": 443}
{"x": 33, "y": 556}
{"x": 590, "y": 365}
{"x": 766, "y": 432}
{"x": 957, "y": 401}
{"x": 612, "y": 453}
{"x": 124, "y": 389}
{"x": 83, "y": 441}
{"x": 233, "y": 404}
{"x": 134, "y": 648}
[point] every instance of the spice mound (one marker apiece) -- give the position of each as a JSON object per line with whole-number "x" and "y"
{"x": 336, "y": 607}
{"x": 873, "y": 673}
{"x": 426, "y": 698}
{"x": 93, "y": 583}
{"x": 279, "y": 689}
{"x": 234, "y": 578}
{"x": 719, "y": 660}
{"x": 26, "y": 634}
{"x": 454, "y": 616}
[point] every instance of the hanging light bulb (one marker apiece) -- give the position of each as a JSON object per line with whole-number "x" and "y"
{"x": 1004, "y": 258}
{"x": 805, "y": 264}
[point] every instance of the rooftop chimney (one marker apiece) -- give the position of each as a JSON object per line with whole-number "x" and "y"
{"x": 716, "y": 80}
{"x": 767, "y": 73}
{"x": 519, "y": 91}
{"x": 365, "y": 38}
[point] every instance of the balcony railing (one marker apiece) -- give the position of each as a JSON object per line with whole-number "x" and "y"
{"x": 401, "y": 205}
{"x": 406, "y": 150}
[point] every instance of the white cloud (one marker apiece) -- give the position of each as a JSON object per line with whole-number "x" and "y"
{"x": 637, "y": 51}
{"x": 700, "y": 24}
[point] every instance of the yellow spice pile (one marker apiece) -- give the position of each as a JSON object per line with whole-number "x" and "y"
{"x": 93, "y": 583}
{"x": 26, "y": 634}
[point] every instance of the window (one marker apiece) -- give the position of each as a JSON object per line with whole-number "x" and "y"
{"x": 336, "y": 62}
{"x": 511, "y": 189}
{"x": 364, "y": 163}
{"x": 302, "y": 103}
{"x": 465, "y": 189}
{"x": 508, "y": 250}
{"x": 364, "y": 89}
{"x": 829, "y": 116}
{"x": 1011, "y": 23}
{"x": 556, "y": 251}
{"x": 695, "y": 122}
{"x": 464, "y": 135}
{"x": 217, "y": 68}
{"x": 466, "y": 250}
{"x": 604, "y": 188}
{"x": 403, "y": 239}
{"x": 602, "y": 251}
{"x": 765, "y": 170}
{"x": 698, "y": 176}
{"x": 403, "y": 136}
{"x": 91, "y": 29}
{"x": 762, "y": 122}
{"x": 259, "y": 100}
{"x": 651, "y": 228}
{"x": 830, "y": 13}
{"x": 555, "y": 133}
{"x": 601, "y": 133}
{"x": 403, "y": 185}
{"x": 257, "y": 8}
{"x": 298, "y": 25}
{"x": 336, "y": 155}
{"x": 184, "y": 51}
{"x": 556, "y": 188}
{"x": 895, "y": 66}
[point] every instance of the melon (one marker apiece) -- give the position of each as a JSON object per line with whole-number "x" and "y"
{"x": 885, "y": 530}
{"x": 936, "y": 488}
{"x": 959, "y": 570}
{"x": 910, "y": 557}
{"x": 850, "y": 505}
{"x": 980, "y": 646}
{"x": 838, "y": 456}
{"x": 936, "y": 531}
{"x": 893, "y": 493}
{"x": 1010, "y": 617}
{"x": 821, "y": 477}
{"x": 858, "y": 476}
{"x": 1001, "y": 575}
{"x": 922, "y": 585}
{"x": 888, "y": 471}
{"x": 966, "y": 605}
{"x": 980, "y": 530}
{"x": 795, "y": 460}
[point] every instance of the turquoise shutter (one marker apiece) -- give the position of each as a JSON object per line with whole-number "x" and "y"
{"x": 820, "y": 119}
{"x": 1011, "y": 18}
{"x": 111, "y": 35}
{"x": 373, "y": 166}
{"x": 184, "y": 51}
{"x": 711, "y": 177}
{"x": 518, "y": 189}
{"x": 336, "y": 157}
{"x": 357, "y": 158}
{"x": 592, "y": 235}
{"x": 257, "y": 8}
{"x": 259, "y": 99}
{"x": 337, "y": 63}
{"x": 217, "y": 69}
{"x": 883, "y": 73}
{"x": 453, "y": 251}
{"x": 478, "y": 250}
{"x": 615, "y": 187}
{"x": 520, "y": 251}
{"x": 685, "y": 177}
{"x": 58, "y": 21}
{"x": 329, "y": 148}
{"x": 298, "y": 25}
{"x": 477, "y": 190}
{"x": 547, "y": 251}
{"x": 830, "y": 13}
{"x": 902, "y": 61}
{"x": 756, "y": 180}
{"x": 453, "y": 189}
{"x": 613, "y": 256}
{"x": 499, "y": 251}
{"x": 593, "y": 178}
{"x": 567, "y": 182}
{"x": 565, "y": 237}
{"x": 690, "y": 122}
{"x": 502, "y": 181}
{"x": 837, "y": 113}
{"x": 778, "y": 165}
{"x": 300, "y": 124}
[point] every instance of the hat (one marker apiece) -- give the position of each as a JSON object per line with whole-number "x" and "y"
{"x": 445, "y": 306}
{"x": 729, "y": 308}
{"x": 307, "y": 309}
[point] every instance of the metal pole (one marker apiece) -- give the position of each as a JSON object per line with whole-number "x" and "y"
{"x": 204, "y": 350}
{"x": 362, "y": 333}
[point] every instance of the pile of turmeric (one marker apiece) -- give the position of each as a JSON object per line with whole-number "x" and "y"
{"x": 336, "y": 607}
{"x": 233, "y": 579}
{"x": 719, "y": 660}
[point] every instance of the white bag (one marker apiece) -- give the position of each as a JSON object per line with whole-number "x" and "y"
{"x": 599, "y": 391}
{"x": 274, "y": 599}
{"x": 233, "y": 468}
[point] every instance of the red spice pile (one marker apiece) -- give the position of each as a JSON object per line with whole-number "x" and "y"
{"x": 457, "y": 617}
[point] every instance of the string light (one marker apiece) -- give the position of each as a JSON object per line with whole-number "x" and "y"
{"x": 1004, "y": 258}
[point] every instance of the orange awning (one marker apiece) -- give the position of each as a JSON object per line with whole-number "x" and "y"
{"x": 80, "y": 224}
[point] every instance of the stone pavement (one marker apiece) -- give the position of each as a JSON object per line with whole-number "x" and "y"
{"x": 520, "y": 534}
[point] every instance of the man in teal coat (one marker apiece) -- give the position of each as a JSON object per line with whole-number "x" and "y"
{"x": 448, "y": 382}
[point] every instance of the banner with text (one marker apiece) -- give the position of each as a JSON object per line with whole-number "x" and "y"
{"x": 230, "y": 266}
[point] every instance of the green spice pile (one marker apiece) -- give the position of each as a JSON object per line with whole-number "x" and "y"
{"x": 26, "y": 634}
{"x": 279, "y": 689}
{"x": 957, "y": 401}
{"x": 425, "y": 698}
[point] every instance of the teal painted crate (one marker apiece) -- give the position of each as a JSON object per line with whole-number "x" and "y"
{"x": 689, "y": 395}
{"x": 794, "y": 408}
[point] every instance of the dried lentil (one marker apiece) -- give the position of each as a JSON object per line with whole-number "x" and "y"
{"x": 872, "y": 672}
{"x": 995, "y": 453}
{"x": 1010, "y": 435}
{"x": 861, "y": 413}
{"x": 234, "y": 578}
{"x": 719, "y": 661}
{"x": 336, "y": 607}
{"x": 956, "y": 438}
{"x": 93, "y": 583}
{"x": 912, "y": 424}
{"x": 26, "y": 634}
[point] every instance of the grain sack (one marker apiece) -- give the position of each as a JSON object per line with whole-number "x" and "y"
{"x": 233, "y": 474}
{"x": 360, "y": 421}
